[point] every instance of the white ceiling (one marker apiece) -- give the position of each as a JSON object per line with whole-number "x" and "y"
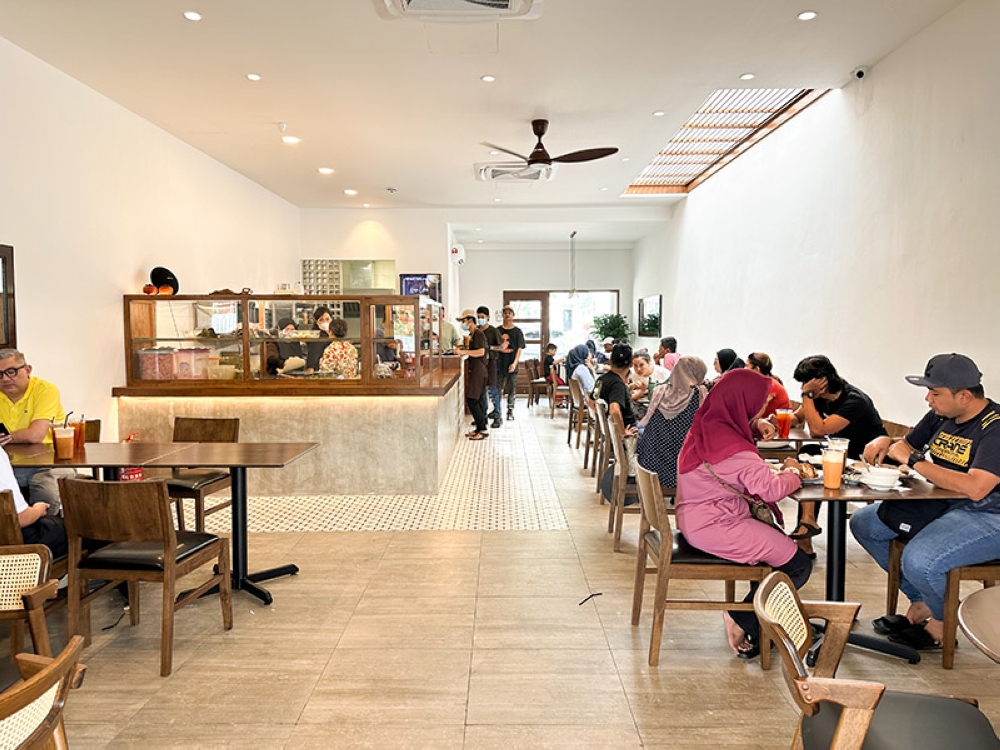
{"x": 400, "y": 104}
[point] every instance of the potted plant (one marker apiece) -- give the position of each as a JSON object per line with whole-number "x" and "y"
{"x": 614, "y": 325}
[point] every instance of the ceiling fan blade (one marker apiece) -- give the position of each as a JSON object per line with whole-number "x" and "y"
{"x": 587, "y": 154}
{"x": 505, "y": 150}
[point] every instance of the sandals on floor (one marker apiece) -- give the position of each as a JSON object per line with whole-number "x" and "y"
{"x": 891, "y": 624}
{"x": 478, "y": 436}
{"x": 752, "y": 652}
{"x": 916, "y": 637}
{"x": 811, "y": 530}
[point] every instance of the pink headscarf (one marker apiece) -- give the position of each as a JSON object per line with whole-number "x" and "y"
{"x": 721, "y": 427}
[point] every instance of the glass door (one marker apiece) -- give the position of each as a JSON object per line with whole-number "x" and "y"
{"x": 531, "y": 316}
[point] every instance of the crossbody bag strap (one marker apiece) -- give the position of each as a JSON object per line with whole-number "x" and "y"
{"x": 750, "y": 500}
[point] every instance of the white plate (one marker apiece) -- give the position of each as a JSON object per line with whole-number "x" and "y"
{"x": 773, "y": 444}
{"x": 879, "y": 489}
{"x": 818, "y": 479}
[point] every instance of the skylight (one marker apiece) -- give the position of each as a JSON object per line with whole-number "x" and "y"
{"x": 728, "y": 123}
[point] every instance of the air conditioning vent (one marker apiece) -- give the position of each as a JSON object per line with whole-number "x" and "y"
{"x": 458, "y": 10}
{"x": 514, "y": 172}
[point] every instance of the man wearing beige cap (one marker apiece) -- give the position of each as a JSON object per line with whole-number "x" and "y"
{"x": 475, "y": 383}
{"x": 956, "y": 446}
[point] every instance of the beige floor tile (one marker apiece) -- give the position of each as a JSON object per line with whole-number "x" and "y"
{"x": 532, "y": 622}
{"x": 224, "y": 733}
{"x": 556, "y": 737}
{"x": 376, "y": 737}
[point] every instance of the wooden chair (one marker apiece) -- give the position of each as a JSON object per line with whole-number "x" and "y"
{"x": 200, "y": 483}
{"x": 24, "y": 588}
{"x": 988, "y": 573}
{"x": 674, "y": 559}
{"x": 557, "y": 393}
{"x": 604, "y": 433}
{"x": 849, "y": 714}
{"x": 623, "y": 486}
{"x": 537, "y": 385}
{"x": 10, "y": 534}
{"x": 592, "y": 430}
{"x": 135, "y": 517}
{"x": 577, "y": 412}
{"x": 31, "y": 710}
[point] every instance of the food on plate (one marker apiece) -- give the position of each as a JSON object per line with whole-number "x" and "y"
{"x": 808, "y": 471}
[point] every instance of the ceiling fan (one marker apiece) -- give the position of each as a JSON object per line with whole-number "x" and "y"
{"x": 540, "y": 156}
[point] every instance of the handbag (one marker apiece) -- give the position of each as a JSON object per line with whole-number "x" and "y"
{"x": 759, "y": 510}
{"x": 908, "y": 517}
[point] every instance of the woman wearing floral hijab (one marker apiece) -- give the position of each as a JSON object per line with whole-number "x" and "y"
{"x": 718, "y": 465}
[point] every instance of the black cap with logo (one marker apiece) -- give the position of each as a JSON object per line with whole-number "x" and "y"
{"x": 948, "y": 371}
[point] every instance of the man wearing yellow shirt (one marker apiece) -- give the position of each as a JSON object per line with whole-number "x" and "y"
{"x": 28, "y": 406}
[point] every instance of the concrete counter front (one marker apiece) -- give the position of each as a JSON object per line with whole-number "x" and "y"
{"x": 368, "y": 444}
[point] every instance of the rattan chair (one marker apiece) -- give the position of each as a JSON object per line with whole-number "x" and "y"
{"x": 988, "y": 573}
{"x": 135, "y": 518}
{"x": 674, "y": 559}
{"x": 855, "y": 714}
{"x": 25, "y": 586}
{"x": 10, "y": 535}
{"x": 200, "y": 483}
{"x": 31, "y": 711}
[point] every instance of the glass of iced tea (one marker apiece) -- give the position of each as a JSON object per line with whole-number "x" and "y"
{"x": 784, "y": 419}
{"x": 833, "y": 468}
{"x": 63, "y": 441}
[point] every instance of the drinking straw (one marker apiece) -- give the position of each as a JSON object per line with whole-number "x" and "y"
{"x": 66, "y": 420}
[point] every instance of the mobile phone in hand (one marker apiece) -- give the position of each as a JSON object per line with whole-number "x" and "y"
{"x": 3, "y": 430}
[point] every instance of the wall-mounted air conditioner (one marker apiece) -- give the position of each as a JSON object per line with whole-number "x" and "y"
{"x": 458, "y": 10}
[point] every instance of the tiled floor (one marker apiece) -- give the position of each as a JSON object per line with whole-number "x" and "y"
{"x": 462, "y": 635}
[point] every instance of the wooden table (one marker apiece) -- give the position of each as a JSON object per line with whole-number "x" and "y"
{"x": 796, "y": 437}
{"x": 237, "y": 457}
{"x": 913, "y": 488}
{"x": 979, "y": 618}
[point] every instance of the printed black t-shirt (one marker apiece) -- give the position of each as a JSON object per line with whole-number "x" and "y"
{"x": 492, "y": 352}
{"x": 511, "y": 339}
{"x": 613, "y": 390}
{"x": 853, "y": 405}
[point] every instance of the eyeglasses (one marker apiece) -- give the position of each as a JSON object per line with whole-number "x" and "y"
{"x": 11, "y": 372}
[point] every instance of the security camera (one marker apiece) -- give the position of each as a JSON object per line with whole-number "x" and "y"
{"x": 858, "y": 74}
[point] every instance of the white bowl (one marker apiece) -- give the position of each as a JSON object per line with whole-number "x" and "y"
{"x": 880, "y": 477}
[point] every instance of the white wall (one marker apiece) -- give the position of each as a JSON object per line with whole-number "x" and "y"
{"x": 92, "y": 197}
{"x": 864, "y": 229}
{"x": 487, "y": 273}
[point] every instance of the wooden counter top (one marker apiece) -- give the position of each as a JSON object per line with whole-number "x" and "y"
{"x": 437, "y": 383}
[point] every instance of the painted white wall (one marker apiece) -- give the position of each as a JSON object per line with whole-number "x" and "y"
{"x": 92, "y": 197}
{"x": 487, "y": 273}
{"x": 864, "y": 229}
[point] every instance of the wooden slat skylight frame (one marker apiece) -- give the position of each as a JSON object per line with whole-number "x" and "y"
{"x": 729, "y": 122}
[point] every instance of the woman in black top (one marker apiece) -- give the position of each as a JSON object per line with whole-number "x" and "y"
{"x": 476, "y": 374}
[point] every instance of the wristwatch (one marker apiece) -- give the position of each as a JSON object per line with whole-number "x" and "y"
{"x": 808, "y": 394}
{"x": 914, "y": 459}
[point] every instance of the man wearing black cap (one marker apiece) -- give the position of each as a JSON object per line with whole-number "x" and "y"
{"x": 955, "y": 446}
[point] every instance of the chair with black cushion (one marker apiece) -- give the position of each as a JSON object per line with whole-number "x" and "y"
{"x": 988, "y": 573}
{"x": 31, "y": 710}
{"x": 135, "y": 519}
{"x": 200, "y": 483}
{"x": 855, "y": 714}
{"x": 25, "y": 586}
{"x": 673, "y": 558}
{"x": 623, "y": 485}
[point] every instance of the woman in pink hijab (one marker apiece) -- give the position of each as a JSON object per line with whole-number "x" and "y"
{"x": 719, "y": 464}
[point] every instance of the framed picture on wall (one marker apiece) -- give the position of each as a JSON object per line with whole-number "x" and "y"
{"x": 649, "y": 315}
{"x": 8, "y": 330}
{"x": 428, "y": 284}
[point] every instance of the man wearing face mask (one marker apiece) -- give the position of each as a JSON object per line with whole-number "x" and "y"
{"x": 315, "y": 349}
{"x": 475, "y": 384}
{"x": 492, "y": 353}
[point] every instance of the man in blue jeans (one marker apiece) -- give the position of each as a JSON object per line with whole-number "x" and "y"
{"x": 956, "y": 446}
{"x": 511, "y": 346}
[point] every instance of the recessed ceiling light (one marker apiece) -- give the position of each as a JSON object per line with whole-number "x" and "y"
{"x": 624, "y": 158}
{"x": 747, "y": 77}
{"x": 487, "y": 78}
{"x": 497, "y": 200}
{"x": 350, "y": 191}
{"x": 479, "y": 229}
{"x": 604, "y": 189}
{"x": 365, "y": 205}
{"x": 291, "y": 139}
{"x": 807, "y": 15}
{"x": 659, "y": 113}
{"x": 192, "y": 15}
{"x": 325, "y": 170}
{"x": 253, "y": 76}
{"x": 494, "y": 153}
{"x": 479, "y": 241}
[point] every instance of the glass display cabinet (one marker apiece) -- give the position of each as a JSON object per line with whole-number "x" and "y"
{"x": 257, "y": 344}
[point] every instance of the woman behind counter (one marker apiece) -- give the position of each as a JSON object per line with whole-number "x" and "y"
{"x": 288, "y": 355}
{"x": 340, "y": 358}
{"x": 718, "y": 462}
{"x": 315, "y": 349}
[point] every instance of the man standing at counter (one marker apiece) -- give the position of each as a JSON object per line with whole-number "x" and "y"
{"x": 475, "y": 382}
{"x": 28, "y": 407}
{"x": 492, "y": 352}
{"x": 511, "y": 346}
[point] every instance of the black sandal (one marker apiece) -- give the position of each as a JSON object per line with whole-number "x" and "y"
{"x": 891, "y": 624}
{"x": 811, "y": 530}
{"x": 916, "y": 637}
